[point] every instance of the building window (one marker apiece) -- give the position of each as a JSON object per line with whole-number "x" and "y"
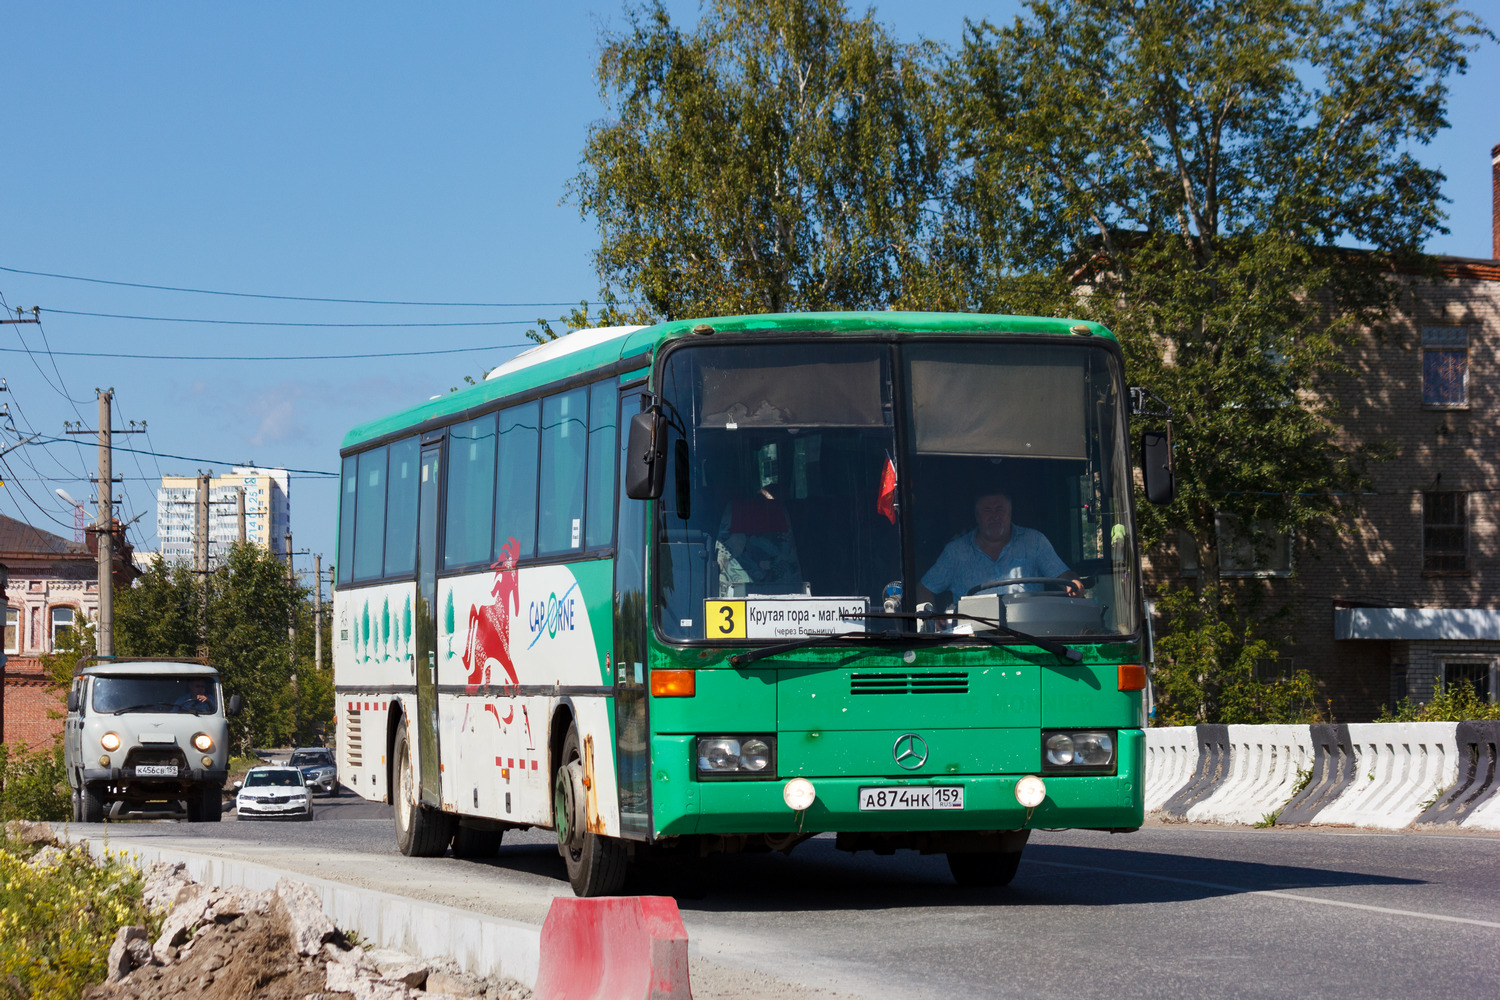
{"x": 1445, "y": 534}
{"x": 1263, "y": 551}
{"x": 1478, "y": 673}
{"x": 62, "y": 618}
{"x": 1445, "y": 366}
{"x": 12, "y": 630}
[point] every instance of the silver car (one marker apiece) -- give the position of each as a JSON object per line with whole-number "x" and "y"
{"x": 273, "y": 792}
{"x": 318, "y": 767}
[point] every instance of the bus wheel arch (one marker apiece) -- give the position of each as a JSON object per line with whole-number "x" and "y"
{"x": 394, "y": 720}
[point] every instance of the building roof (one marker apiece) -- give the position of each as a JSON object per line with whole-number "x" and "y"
{"x": 17, "y": 538}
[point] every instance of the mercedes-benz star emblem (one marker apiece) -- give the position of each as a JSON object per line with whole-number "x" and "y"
{"x": 910, "y": 751}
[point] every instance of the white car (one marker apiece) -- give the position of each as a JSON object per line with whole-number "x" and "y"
{"x": 273, "y": 791}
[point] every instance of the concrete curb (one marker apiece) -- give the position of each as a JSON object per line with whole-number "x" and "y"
{"x": 481, "y": 945}
{"x": 1399, "y": 768}
{"x": 1474, "y": 799}
{"x": 1211, "y": 772}
{"x": 1171, "y": 759}
{"x": 1333, "y": 772}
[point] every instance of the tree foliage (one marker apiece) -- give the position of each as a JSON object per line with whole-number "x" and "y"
{"x": 781, "y": 155}
{"x": 238, "y": 621}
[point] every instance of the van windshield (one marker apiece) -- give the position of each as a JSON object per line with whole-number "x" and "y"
{"x": 123, "y": 695}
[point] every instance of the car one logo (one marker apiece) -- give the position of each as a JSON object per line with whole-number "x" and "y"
{"x": 910, "y": 751}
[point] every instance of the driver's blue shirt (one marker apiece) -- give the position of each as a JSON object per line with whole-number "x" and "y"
{"x": 963, "y": 563}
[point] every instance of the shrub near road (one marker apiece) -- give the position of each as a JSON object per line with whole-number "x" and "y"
{"x": 58, "y": 914}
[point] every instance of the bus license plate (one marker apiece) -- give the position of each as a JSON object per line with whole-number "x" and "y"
{"x": 156, "y": 771}
{"x": 928, "y": 797}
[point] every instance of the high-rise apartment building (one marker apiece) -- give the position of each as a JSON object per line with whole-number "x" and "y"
{"x": 268, "y": 512}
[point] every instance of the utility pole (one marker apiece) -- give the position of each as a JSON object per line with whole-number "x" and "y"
{"x": 201, "y": 524}
{"x": 239, "y": 499}
{"x": 291, "y": 625}
{"x": 318, "y": 611}
{"x": 104, "y": 632}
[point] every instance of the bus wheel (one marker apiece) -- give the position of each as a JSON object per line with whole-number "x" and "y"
{"x": 983, "y": 869}
{"x": 420, "y": 832}
{"x": 596, "y": 863}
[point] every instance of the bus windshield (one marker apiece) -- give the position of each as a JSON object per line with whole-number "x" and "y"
{"x": 883, "y": 477}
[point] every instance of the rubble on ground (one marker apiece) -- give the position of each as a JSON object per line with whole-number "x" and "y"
{"x": 233, "y": 944}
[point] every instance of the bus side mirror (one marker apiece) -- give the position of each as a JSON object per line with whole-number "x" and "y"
{"x": 72, "y": 701}
{"x": 645, "y": 454}
{"x": 235, "y": 704}
{"x": 1156, "y": 466}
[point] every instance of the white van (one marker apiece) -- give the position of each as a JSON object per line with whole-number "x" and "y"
{"x": 147, "y": 736}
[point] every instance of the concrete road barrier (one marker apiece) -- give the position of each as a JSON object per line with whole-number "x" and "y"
{"x": 1266, "y": 763}
{"x": 1383, "y": 775}
{"x": 614, "y": 948}
{"x": 1171, "y": 759}
{"x": 1399, "y": 769}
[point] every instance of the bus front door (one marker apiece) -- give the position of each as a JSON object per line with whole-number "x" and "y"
{"x": 425, "y": 653}
{"x": 632, "y": 733}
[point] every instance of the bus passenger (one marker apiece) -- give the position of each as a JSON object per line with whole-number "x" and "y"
{"x": 755, "y": 550}
{"x": 995, "y": 549}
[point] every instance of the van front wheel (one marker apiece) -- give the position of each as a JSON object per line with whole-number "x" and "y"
{"x": 92, "y": 796}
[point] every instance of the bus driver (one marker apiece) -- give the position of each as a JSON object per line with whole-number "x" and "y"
{"x": 994, "y": 550}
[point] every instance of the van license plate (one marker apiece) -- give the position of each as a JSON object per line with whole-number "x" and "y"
{"x": 156, "y": 771}
{"x": 927, "y": 797}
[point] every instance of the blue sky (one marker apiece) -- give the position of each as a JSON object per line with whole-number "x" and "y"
{"x": 363, "y": 151}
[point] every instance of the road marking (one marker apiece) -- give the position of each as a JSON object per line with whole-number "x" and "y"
{"x": 1274, "y": 893}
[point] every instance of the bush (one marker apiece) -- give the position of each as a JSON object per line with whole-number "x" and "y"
{"x": 1455, "y": 703}
{"x": 57, "y": 921}
{"x": 1206, "y": 659}
{"x": 34, "y": 783}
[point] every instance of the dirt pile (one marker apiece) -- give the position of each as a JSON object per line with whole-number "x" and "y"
{"x": 231, "y": 944}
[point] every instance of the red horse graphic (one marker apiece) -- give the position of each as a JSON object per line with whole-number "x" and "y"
{"x": 489, "y": 627}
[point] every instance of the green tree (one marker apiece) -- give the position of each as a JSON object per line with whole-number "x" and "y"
{"x": 245, "y": 607}
{"x": 780, "y": 155}
{"x": 1185, "y": 172}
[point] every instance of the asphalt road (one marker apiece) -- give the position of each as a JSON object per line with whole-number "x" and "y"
{"x": 1170, "y": 911}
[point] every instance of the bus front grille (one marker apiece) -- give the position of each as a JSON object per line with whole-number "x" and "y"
{"x": 353, "y": 745}
{"x": 952, "y": 682}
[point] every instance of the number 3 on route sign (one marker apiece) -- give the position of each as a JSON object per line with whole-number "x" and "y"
{"x": 724, "y": 619}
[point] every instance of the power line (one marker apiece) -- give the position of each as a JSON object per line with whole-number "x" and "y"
{"x": 273, "y": 357}
{"x": 258, "y": 322}
{"x": 198, "y": 458}
{"x": 291, "y": 298}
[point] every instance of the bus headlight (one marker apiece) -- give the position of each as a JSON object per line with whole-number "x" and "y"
{"x": 203, "y": 742}
{"x": 737, "y": 756}
{"x": 110, "y": 742}
{"x": 1075, "y": 751}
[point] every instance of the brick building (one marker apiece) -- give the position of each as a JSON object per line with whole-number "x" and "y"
{"x": 1408, "y": 599}
{"x": 53, "y": 582}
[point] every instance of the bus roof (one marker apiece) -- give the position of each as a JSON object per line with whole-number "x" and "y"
{"x": 585, "y": 350}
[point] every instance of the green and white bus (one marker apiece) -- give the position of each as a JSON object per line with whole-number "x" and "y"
{"x": 719, "y": 585}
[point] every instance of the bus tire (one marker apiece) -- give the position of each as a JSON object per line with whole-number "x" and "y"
{"x": 420, "y": 832}
{"x": 983, "y": 869}
{"x": 92, "y": 797}
{"x": 471, "y": 843}
{"x": 596, "y": 863}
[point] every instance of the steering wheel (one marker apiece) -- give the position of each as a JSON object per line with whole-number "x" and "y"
{"x": 1053, "y": 581}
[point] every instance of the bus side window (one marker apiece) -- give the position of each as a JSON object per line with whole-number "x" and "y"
{"x": 599, "y": 518}
{"x": 369, "y": 516}
{"x": 564, "y": 447}
{"x": 471, "y": 492}
{"x": 346, "y": 520}
{"x": 401, "y": 509}
{"x": 515, "y": 485}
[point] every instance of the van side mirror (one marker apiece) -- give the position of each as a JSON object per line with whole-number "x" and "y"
{"x": 1156, "y": 466}
{"x": 235, "y": 705}
{"x": 72, "y": 701}
{"x": 645, "y": 454}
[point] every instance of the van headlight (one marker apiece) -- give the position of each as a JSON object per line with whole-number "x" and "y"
{"x": 736, "y": 756}
{"x": 1078, "y": 751}
{"x": 110, "y": 742}
{"x": 203, "y": 742}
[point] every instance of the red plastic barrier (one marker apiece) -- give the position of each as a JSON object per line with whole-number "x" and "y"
{"x": 614, "y": 948}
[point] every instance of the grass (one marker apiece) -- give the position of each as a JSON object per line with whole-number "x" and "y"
{"x": 58, "y": 920}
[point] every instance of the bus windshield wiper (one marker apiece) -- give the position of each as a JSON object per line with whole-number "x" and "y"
{"x": 886, "y": 635}
{"x": 1046, "y": 645}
